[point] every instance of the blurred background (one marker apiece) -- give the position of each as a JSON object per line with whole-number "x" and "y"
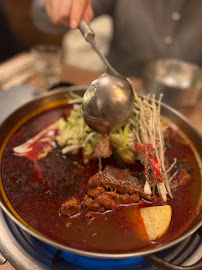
{"x": 20, "y": 34}
{"x": 36, "y": 58}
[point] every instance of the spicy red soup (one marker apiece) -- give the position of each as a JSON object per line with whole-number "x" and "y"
{"x": 37, "y": 188}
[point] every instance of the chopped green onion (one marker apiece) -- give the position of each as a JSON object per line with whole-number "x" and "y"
{"x": 125, "y": 135}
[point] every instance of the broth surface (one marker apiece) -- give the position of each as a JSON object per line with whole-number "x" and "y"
{"x": 37, "y": 188}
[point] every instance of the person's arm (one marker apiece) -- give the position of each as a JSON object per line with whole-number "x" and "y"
{"x": 54, "y": 16}
{"x": 69, "y": 12}
{"x": 42, "y": 21}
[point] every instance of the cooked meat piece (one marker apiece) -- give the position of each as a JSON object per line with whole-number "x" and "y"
{"x": 70, "y": 207}
{"x": 112, "y": 187}
{"x": 92, "y": 204}
{"x": 152, "y": 180}
{"x": 117, "y": 179}
{"x": 106, "y": 190}
{"x": 110, "y": 199}
{"x": 103, "y": 148}
{"x": 148, "y": 157}
{"x": 96, "y": 191}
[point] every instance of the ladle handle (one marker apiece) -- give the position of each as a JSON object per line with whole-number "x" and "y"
{"x": 89, "y": 36}
{"x": 86, "y": 31}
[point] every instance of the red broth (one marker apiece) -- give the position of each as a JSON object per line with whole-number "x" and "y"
{"x": 36, "y": 190}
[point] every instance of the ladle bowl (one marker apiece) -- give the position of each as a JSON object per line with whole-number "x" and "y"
{"x": 109, "y": 100}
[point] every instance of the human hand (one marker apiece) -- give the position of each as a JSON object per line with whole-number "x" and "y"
{"x": 69, "y": 12}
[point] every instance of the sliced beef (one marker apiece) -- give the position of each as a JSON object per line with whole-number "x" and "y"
{"x": 103, "y": 148}
{"x": 108, "y": 200}
{"x": 70, "y": 207}
{"x": 117, "y": 179}
{"x": 113, "y": 187}
{"x": 96, "y": 191}
{"x": 92, "y": 204}
{"x": 106, "y": 190}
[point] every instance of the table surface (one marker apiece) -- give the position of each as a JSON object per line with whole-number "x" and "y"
{"x": 79, "y": 76}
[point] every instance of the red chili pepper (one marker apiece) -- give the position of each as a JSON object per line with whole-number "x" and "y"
{"x": 149, "y": 160}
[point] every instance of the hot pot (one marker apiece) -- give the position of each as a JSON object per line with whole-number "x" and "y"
{"x": 51, "y": 100}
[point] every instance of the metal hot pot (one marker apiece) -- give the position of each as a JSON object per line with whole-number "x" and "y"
{"x": 54, "y": 97}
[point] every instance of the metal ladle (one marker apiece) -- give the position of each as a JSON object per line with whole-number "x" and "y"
{"x": 109, "y": 100}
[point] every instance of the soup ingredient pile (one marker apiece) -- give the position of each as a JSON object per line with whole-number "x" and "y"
{"x": 141, "y": 138}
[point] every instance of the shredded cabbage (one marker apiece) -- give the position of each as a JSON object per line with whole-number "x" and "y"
{"x": 123, "y": 141}
{"x": 76, "y": 132}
